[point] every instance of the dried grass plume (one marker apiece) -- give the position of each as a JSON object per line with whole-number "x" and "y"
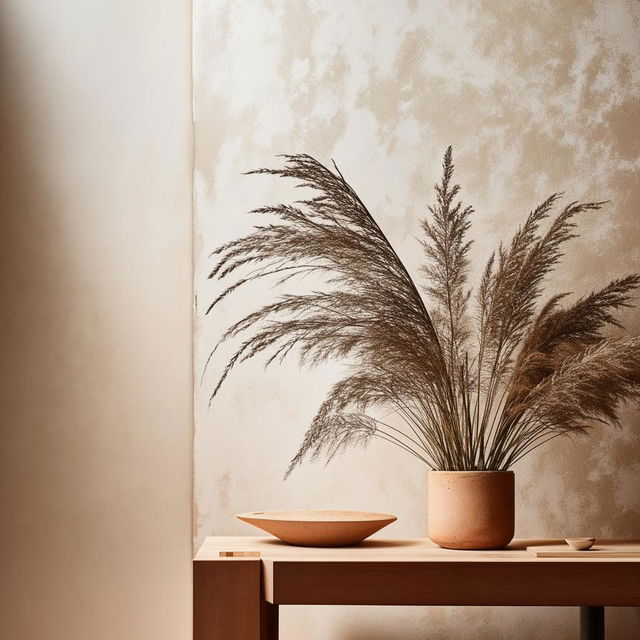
{"x": 478, "y": 380}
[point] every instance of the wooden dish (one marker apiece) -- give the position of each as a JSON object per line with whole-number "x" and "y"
{"x": 580, "y": 544}
{"x": 319, "y": 528}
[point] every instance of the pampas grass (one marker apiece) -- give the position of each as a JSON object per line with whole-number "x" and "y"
{"x": 478, "y": 380}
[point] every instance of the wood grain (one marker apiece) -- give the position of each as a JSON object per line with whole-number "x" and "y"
{"x": 416, "y": 572}
{"x": 384, "y": 550}
{"x": 618, "y": 550}
{"x": 226, "y": 599}
{"x": 452, "y": 583}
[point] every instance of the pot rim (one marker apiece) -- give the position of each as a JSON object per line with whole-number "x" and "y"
{"x": 471, "y": 472}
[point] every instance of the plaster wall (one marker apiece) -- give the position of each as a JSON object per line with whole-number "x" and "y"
{"x": 535, "y": 97}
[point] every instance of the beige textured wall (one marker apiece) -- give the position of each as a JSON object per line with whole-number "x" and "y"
{"x": 535, "y": 98}
{"x": 95, "y": 320}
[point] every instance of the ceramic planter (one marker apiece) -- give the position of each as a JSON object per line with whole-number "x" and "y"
{"x": 471, "y": 509}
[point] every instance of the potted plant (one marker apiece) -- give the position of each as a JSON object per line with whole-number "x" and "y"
{"x": 477, "y": 381}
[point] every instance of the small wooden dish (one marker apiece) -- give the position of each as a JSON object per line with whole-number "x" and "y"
{"x": 580, "y": 544}
{"x": 319, "y": 528}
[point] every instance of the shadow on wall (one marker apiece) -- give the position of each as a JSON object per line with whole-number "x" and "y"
{"x": 67, "y": 402}
{"x": 36, "y": 326}
{"x": 95, "y": 320}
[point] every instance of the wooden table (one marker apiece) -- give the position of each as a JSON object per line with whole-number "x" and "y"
{"x": 237, "y": 597}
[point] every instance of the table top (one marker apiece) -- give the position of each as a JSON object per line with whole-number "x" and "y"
{"x": 417, "y": 572}
{"x": 400, "y": 550}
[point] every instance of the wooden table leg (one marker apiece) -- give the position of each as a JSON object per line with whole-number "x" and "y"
{"x": 591, "y": 623}
{"x": 227, "y": 602}
{"x": 269, "y": 621}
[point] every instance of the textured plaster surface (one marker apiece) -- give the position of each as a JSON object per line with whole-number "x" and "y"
{"x": 535, "y": 98}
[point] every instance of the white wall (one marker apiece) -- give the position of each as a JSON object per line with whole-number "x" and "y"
{"x": 95, "y": 320}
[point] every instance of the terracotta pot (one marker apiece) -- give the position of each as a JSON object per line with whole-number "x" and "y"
{"x": 471, "y": 509}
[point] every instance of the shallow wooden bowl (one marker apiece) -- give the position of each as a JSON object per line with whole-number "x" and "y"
{"x": 319, "y": 528}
